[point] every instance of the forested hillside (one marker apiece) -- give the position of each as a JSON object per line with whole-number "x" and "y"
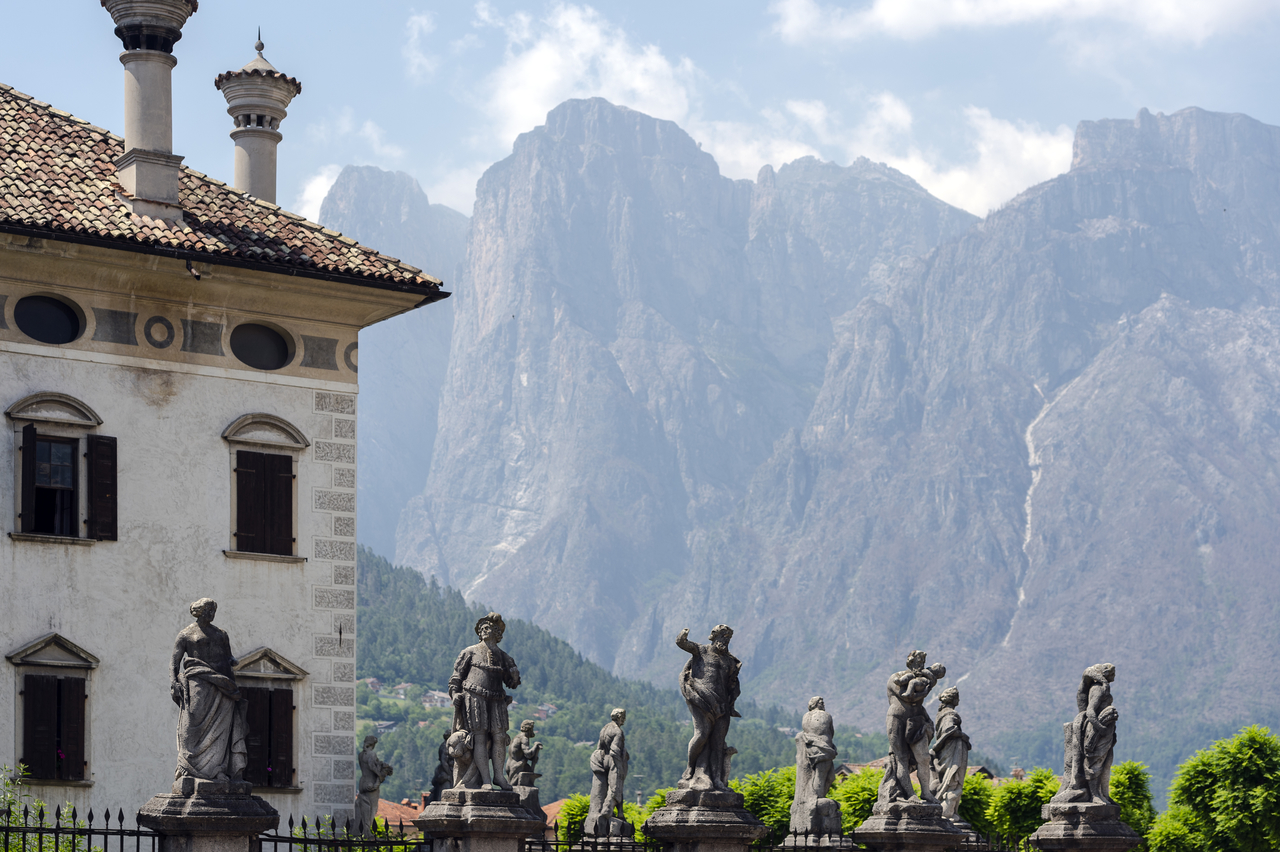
{"x": 411, "y": 629}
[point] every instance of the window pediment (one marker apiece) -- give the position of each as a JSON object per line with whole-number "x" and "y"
{"x": 50, "y": 407}
{"x": 266, "y": 429}
{"x": 264, "y": 662}
{"x": 53, "y": 650}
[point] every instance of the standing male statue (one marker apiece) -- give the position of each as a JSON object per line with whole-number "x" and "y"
{"x": 372, "y": 773}
{"x": 950, "y": 754}
{"x": 709, "y": 684}
{"x": 910, "y": 729}
{"x": 480, "y": 707}
{"x": 812, "y": 813}
{"x": 212, "y": 717}
{"x": 608, "y": 779}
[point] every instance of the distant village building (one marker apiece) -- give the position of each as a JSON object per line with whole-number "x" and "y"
{"x": 545, "y": 711}
{"x": 436, "y": 698}
{"x": 178, "y": 366}
{"x": 375, "y": 685}
{"x": 400, "y": 690}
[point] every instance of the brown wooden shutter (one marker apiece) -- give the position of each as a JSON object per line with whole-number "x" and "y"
{"x": 250, "y": 509}
{"x": 258, "y": 736}
{"x": 279, "y": 500}
{"x": 71, "y": 691}
{"x": 102, "y": 488}
{"x": 282, "y": 738}
{"x": 40, "y": 723}
{"x": 28, "y": 504}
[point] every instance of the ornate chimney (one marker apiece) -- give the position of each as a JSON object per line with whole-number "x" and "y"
{"x": 148, "y": 170}
{"x": 257, "y": 96}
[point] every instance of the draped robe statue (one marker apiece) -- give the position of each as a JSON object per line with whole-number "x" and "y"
{"x": 372, "y": 773}
{"x": 608, "y": 778}
{"x": 710, "y": 686}
{"x": 950, "y": 754}
{"x": 811, "y": 811}
{"x": 1090, "y": 740}
{"x": 212, "y": 718}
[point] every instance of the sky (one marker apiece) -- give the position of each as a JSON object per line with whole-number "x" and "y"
{"x": 977, "y": 100}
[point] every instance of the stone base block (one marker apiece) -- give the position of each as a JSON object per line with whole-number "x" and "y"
{"x": 525, "y": 779}
{"x": 478, "y": 821}
{"x": 610, "y": 828}
{"x": 704, "y": 821}
{"x": 908, "y": 827}
{"x": 530, "y": 802}
{"x": 1084, "y": 826}
{"x": 815, "y": 818}
{"x": 209, "y": 822}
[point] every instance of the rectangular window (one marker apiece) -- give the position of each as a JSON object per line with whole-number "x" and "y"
{"x": 264, "y": 503}
{"x": 49, "y": 504}
{"x": 53, "y": 722}
{"x": 270, "y": 736}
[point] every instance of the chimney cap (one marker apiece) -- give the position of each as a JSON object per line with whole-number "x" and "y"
{"x": 259, "y": 67}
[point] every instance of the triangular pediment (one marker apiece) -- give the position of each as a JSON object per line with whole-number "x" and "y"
{"x": 53, "y": 650}
{"x": 50, "y": 407}
{"x": 264, "y": 662}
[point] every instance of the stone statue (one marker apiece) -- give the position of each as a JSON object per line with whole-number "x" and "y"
{"x": 910, "y": 730}
{"x": 480, "y": 708}
{"x": 709, "y": 683}
{"x": 524, "y": 756}
{"x": 812, "y": 813}
{"x": 950, "y": 754}
{"x": 1090, "y": 740}
{"x": 212, "y": 718}
{"x": 372, "y": 773}
{"x": 608, "y": 779}
{"x": 442, "y": 778}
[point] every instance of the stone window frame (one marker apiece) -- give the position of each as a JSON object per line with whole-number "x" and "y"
{"x": 53, "y": 654}
{"x": 264, "y": 668}
{"x": 261, "y": 432}
{"x": 57, "y": 416}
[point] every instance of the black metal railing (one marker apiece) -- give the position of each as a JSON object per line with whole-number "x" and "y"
{"x": 592, "y": 844}
{"x": 804, "y": 840}
{"x": 995, "y": 843}
{"x": 35, "y": 830}
{"x": 326, "y": 834}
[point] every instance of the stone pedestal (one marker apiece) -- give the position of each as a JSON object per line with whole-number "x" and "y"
{"x": 478, "y": 821}
{"x": 697, "y": 821}
{"x": 529, "y": 800}
{"x": 1084, "y": 826}
{"x": 208, "y": 816}
{"x": 908, "y": 827}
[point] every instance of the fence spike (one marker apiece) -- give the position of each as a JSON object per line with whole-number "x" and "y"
{"x": 74, "y": 816}
{"x": 57, "y": 817}
{"x": 348, "y": 826}
{"x": 91, "y": 817}
{"x": 291, "y": 823}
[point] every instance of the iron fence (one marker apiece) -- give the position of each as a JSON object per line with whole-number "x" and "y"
{"x": 326, "y": 834}
{"x": 33, "y": 831}
{"x": 592, "y": 844}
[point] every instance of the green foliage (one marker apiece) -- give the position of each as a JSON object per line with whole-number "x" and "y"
{"x": 14, "y": 799}
{"x": 1131, "y": 790}
{"x": 975, "y": 799}
{"x": 1226, "y": 797}
{"x": 768, "y": 796}
{"x": 1014, "y": 810}
{"x": 573, "y": 813}
{"x": 856, "y": 794}
{"x": 657, "y": 800}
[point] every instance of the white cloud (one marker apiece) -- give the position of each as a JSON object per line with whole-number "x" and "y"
{"x": 800, "y": 21}
{"x": 314, "y": 189}
{"x": 376, "y": 137}
{"x": 421, "y": 64}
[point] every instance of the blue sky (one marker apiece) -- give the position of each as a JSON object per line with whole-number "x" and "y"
{"x": 976, "y": 99}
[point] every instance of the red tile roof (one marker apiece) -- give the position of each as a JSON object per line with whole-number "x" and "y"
{"x": 58, "y": 179}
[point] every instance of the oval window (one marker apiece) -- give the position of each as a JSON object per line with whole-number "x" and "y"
{"x": 260, "y": 347}
{"x": 47, "y": 319}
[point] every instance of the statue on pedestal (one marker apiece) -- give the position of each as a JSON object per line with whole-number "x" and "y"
{"x": 480, "y": 708}
{"x": 950, "y": 754}
{"x": 812, "y": 813}
{"x": 1090, "y": 740}
{"x": 523, "y": 760}
{"x": 212, "y": 718}
{"x": 608, "y": 779}
{"x": 910, "y": 729}
{"x": 372, "y": 773}
{"x": 709, "y": 684}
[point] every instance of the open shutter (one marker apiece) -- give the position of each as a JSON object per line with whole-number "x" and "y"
{"x": 40, "y": 723}
{"x": 279, "y": 499}
{"x": 102, "y": 488}
{"x": 28, "y": 504}
{"x": 71, "y": 744}
{"x": 282, "y": 738}
{"x": 250, "y": 509}
{"x": 258, "y": 736}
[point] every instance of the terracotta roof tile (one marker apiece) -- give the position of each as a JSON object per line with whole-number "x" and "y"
{"x": 57, "y": 174}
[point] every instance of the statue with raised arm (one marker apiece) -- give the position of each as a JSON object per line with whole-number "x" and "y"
{"x": 709, "y": 684}
{"x": 212, "y": 717}
{"x": 910, "y": 729}
{"x": 950, "y": 754}
{"x": 608, "y": 779}
{"x": 372, "y": 773}
{"x": 523, "y": 760}
{"x": 812, "y": 813}
{"x": 1090, "y": 740}
{"x": 480, "y": 707}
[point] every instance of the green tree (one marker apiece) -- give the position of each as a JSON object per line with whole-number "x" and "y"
{"x": 1015, "y": 806}
{"x": 768, "y": 796}
{"x": 1131, "y": 790}
{"x": 975, "y": 799}
{"x": 856, "y": 795}
{"x": 573, "y": 813}
{"x": 1225, "y": 798}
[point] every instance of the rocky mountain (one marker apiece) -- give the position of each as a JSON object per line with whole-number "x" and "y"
{"x": 404, "y": 357}
{"x": 850, "y": 420}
